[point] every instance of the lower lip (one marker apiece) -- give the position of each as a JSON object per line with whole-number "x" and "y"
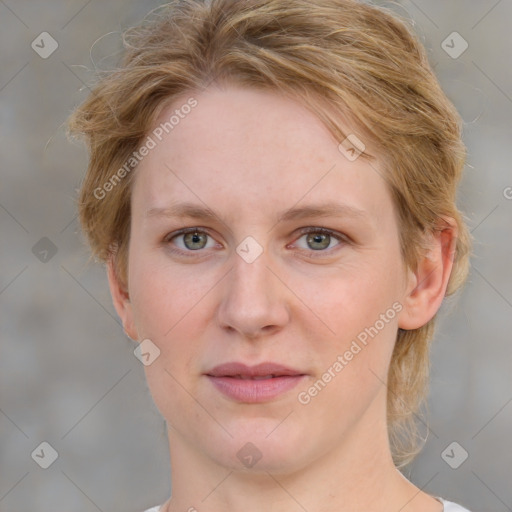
{"x": 255, "y": 391}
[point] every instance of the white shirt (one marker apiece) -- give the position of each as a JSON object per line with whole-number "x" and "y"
{"x": 448, "y": 507}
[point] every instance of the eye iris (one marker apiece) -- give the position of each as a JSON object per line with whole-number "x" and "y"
{"x": 319, "y": 238}
{"x": 194, "y": 238}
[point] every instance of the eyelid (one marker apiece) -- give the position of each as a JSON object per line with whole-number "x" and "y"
{"x": 184, "y": 231}
{"x": 326, "y": 231}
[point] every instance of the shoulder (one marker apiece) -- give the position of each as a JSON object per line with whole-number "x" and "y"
{"x": 153, "y": 509}
{"x": 449, "y": 506}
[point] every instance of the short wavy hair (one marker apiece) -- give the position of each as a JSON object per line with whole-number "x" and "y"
{"x": 343, "y": 59}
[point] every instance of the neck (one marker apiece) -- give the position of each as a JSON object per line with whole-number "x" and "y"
{"x": 358, "y": 476}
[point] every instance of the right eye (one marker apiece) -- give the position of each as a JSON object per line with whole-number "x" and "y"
{"x": 193, "y": 239}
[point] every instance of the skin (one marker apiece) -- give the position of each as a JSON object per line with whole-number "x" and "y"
{"x": 248, "y": 155}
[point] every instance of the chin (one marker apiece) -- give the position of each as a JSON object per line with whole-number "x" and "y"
{"x": 261, "y": 445}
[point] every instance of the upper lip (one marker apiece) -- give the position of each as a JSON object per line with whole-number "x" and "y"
{"x": 234, "y": 369}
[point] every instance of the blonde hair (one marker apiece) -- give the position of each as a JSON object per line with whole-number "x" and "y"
{"x": 344, "y": 60}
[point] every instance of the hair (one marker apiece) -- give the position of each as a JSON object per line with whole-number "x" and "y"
{"x": 343, "y": 59}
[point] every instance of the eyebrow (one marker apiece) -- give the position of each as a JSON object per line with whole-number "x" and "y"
{"x": 195, "y": 211}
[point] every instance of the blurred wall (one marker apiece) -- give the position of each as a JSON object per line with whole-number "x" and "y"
{"x": 68, "y": 376}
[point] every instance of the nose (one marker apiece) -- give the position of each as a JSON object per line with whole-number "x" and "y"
{"x": 254, "y": 300}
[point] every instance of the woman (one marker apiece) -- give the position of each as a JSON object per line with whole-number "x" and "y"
{"x": 272, "y": 187}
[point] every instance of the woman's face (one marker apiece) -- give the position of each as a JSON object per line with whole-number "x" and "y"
{"x": 253, "y": 287}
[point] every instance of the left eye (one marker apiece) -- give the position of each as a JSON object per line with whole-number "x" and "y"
{"x": 319, "y": 239}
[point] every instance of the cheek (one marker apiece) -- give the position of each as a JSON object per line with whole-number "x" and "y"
{"x": 353, "y": 362}
{"x": 166, "y": 304}
{"x": 348, "y": 301}
{"x": 163, "y": 295}
{"x": 360, "y": 308}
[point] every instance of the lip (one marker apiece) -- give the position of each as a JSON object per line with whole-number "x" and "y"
{"x": 233, "y": 369}
{"x": 235, "y": 380}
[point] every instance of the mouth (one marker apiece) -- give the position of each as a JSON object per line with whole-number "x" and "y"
{"x": 254, "y": 384}
{"x": 247, "y": 377}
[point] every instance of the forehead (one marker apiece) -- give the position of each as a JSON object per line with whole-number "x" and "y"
{"x": 250, "y": 125}
{"x": 250, "y": 148}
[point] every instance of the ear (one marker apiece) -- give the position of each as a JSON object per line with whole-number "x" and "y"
{"x": 121, "y": 300}
{"x": 426, "y": 287}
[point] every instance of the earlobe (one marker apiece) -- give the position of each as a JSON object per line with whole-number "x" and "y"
{"x": 427, "y": 286}
{"x": 121, "y": 300}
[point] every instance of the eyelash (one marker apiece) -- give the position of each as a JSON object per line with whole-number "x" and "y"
{"x": 343, "y": 239}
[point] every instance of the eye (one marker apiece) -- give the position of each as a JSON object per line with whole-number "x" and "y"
{"x": 193, "y": 239}
{"x": 319, "y": 239}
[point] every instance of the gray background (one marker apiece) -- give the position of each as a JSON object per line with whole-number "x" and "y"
{"x": 68, "y": 375}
